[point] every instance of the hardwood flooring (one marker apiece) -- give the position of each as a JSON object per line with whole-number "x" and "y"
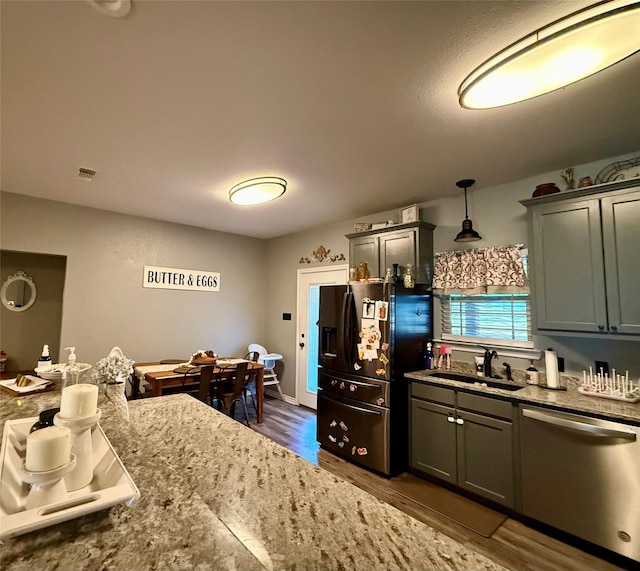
{"x": 515, "y": 545}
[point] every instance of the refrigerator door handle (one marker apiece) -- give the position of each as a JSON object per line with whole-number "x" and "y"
{"x": 350, "y": 406}
{"x": 361, "y": 384}
{"x": 579, "y": 426}
{"x": 346, "y": 325}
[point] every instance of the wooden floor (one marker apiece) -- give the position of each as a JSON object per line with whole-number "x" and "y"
{"x": 514, "y": 545}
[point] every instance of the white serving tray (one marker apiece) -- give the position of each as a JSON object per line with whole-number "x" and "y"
{"x": 111, "y": 484}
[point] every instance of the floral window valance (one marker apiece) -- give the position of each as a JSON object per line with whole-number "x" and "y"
{"x": 498, "y": 269}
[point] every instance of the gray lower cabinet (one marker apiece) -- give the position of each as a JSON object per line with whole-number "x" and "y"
{"x": 403, "y": 244}
{"x": 583, "y": 252}
{"x": 464, "y": 439}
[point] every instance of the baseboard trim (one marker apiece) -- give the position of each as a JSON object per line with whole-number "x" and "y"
{"x": 275, "y": 394}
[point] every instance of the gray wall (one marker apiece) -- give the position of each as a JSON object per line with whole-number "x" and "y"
{"x": 25, "y": 332}
{"x": 105, "y": 305}
{"x": 499, "y": 218}
{"x": 104, "y": 302}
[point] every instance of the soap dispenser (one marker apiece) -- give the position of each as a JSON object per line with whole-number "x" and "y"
{"x": 45, "y": 359}
{"x": 71, "y": 373}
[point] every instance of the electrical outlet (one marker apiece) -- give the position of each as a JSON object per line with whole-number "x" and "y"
{"x": 602, "y": 365}
{"x": 560, "y": 364}
{"x": 286, "y": 316}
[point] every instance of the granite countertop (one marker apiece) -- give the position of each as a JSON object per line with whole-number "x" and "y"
{"x": 570, "y": 400}
{"x": 217, "y": 495}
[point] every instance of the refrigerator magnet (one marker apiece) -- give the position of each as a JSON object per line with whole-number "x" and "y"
{"x": 332, "y": 438}
{"x": 382, "y": 310}
{"x": 383, "y": 358}
{"x": 356, "y": 366}
{"x": 343, "y": 426}
{"x": 333, "y": 424}
{"x": 362, "y": 451}
{"x": 370, "y": 353}
{"x": 380, "y": 372}
{"x": 385, "y": 346}
{"x": 368, "y": 309}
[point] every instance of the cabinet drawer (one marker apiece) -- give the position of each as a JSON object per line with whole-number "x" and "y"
{"x": 486, "y": 405}
{"x": 436, "y": 394}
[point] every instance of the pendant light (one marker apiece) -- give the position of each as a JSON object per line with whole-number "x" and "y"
{"x": 467, "y": 234}
{"x": 257, "y": 190}
{"x": 556, "y": 55}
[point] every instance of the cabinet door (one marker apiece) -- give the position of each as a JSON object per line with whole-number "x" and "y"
{"x": 621, "y": 235}
{"x": 568, "y": 268}
{"x": 433, "y": 440}
{"x": 365, "y": 249}
{"x": 485, "y": 457}
{"x": 398, "y": 248}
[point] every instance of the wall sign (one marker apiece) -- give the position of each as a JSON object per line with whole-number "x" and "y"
{"x": 174, "y": 278}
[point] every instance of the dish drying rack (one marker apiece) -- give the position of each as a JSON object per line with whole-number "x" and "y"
{"x": 615, "y": 387}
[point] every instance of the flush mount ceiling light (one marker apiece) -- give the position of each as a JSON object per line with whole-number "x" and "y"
{"x": 467, "y": 234}
{"x": 555, "y": 56}
{"x": 257, "y": 190}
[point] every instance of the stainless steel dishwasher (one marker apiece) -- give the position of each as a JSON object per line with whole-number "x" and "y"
{"x": 582, "y": 475}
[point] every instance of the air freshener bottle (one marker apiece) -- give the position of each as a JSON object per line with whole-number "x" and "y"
{"x": 45, "y": 358}
{"x": 532, "y": 375}
{"x": 430, "y": 356}
{"x": 71, "y": 374}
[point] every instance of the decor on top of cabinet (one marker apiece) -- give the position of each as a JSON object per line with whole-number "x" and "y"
{"x": 567, "y": 175}
{"x": 497, "y": 269}
{"x": 361, "y": 226}
{"x": 544, "y": 189}
{"x": 409, "y": 214}
{"x": 621, "y": 170}
{"x": 322, "y": 255}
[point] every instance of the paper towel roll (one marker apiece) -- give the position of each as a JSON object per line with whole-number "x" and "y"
{"x": 551, "y": 368}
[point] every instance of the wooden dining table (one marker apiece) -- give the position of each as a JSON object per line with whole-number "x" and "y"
{"x": 189, "y": 377}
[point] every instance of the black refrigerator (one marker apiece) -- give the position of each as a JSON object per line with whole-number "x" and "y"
{"x": 369, "y": 336}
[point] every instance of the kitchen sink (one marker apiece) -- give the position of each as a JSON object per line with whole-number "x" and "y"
{"x": 481, "y": 381}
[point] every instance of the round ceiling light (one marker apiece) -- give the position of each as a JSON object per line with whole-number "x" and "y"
{"x": 258, "y": 190}
{"x": 555, "y": 56}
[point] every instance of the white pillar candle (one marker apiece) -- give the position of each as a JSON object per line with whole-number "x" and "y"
{"x": 79, "y": 401}
{"x": 48, "y": 449}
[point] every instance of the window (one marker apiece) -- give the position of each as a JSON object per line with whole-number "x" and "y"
{"x": 498, "y": 318}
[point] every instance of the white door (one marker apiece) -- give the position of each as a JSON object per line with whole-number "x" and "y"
{"x": 309, "y": 282}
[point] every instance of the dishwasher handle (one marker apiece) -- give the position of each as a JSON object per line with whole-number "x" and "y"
{"x": 550, "y": 418}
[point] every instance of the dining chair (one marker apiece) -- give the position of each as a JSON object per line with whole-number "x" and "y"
{"x": 228, "y": 393}
{"x": 250, "y": 389}
{"x": 269, "y": 362}
{"x": 204, "y": 389}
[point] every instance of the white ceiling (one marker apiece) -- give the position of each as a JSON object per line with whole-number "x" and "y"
{"x": 353, "y": 103}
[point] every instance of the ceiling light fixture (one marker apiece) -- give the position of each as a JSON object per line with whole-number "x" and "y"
{"x": 113, "y": 8}
{"x": 467, "y": 234}
{"x": 258, "y": 190}
{"x": 565, "y": 51}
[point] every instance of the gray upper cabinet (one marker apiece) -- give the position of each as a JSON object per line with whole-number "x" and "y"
{"x": 585, "y": 267}
{"x": 402, "y": 244}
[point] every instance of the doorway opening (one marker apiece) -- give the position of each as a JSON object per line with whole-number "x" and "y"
{"x": 309, "y": 282}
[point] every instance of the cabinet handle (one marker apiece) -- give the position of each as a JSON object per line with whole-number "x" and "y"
{"x": 601, "y": 327}
{"x": 614, "y": 327}
{"x": 450, "y": 419}
{"x": 459, "y": 421}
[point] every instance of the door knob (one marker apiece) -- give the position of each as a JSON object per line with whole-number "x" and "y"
{"x": 301, "y": 345}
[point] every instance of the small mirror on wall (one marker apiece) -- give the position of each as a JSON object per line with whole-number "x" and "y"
{"x": 18, "y": 292}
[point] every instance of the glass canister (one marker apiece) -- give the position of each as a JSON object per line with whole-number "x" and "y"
{"x": 409, "y": 280}
{"x": 353, "y": 273}
{"x": 388, "y": 277}
{"x": 362, "y": 271}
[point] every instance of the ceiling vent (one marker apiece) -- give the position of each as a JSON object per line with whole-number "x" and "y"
{"x": 113, "y": 8}
{"x": 86, "y": 174}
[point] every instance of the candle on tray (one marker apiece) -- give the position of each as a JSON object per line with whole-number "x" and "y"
{"x": 79, "y": 401}
{"x": 48, "y": 448}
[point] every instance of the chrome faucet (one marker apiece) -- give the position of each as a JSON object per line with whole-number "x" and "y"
{"x": 488, "y": 355}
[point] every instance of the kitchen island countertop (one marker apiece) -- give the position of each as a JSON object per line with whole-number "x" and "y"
{"x": 569, "y": 400}
{"x": 217, "y": 495}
